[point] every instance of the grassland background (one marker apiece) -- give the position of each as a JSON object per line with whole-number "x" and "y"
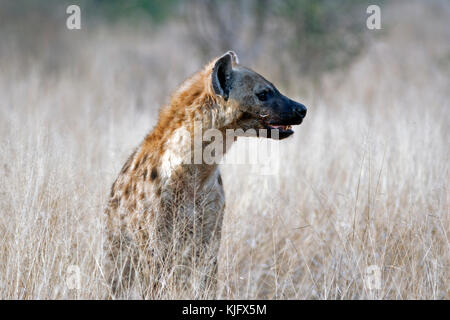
{"x": 364, "y": 181}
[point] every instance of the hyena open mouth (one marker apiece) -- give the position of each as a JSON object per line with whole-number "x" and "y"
{"x": 283, "y": 130}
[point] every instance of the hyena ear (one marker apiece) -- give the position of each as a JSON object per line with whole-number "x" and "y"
{"x": 234, "y": 57}
{"x": 221, "y": 74}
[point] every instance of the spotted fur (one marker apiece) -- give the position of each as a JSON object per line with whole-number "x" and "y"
{"x": 164, "y": 216}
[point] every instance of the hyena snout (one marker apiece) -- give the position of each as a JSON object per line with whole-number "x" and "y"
{"x": 284, "y": 114}
{"x": 296, "y": 112}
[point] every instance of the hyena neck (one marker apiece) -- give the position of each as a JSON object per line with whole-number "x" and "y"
{"x": 177, "y": 139}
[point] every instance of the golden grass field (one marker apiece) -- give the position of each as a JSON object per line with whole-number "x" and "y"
{"x": 363, "y": 182}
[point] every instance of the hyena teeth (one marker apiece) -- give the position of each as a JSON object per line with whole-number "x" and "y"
{"x": 281, "y": 127}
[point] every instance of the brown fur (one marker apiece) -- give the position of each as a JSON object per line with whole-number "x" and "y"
{"x": 164, "y": 217}
{"x": 142, "y": 201}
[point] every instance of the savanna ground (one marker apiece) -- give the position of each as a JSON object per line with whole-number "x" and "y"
{"x": 363, "y": 182}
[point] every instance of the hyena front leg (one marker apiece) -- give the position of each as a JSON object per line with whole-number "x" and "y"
{"x": 120, "y": 267}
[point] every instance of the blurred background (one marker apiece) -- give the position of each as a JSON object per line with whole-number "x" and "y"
{"x": 364, "y": 180}
{"x": 290, "y": 39}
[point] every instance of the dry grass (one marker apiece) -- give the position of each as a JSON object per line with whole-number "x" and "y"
{"x": 363, "y": 182}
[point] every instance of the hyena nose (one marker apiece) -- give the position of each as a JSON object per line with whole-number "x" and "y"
{"x": 299, "y": 110}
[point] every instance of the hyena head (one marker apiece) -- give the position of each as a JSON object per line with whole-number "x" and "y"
{"x": 258, "y": 102}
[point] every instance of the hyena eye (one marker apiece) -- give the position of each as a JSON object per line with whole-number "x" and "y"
{"x": 263, "y": 95}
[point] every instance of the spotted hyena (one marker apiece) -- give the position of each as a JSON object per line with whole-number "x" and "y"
{"x": 165, "y": 212}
